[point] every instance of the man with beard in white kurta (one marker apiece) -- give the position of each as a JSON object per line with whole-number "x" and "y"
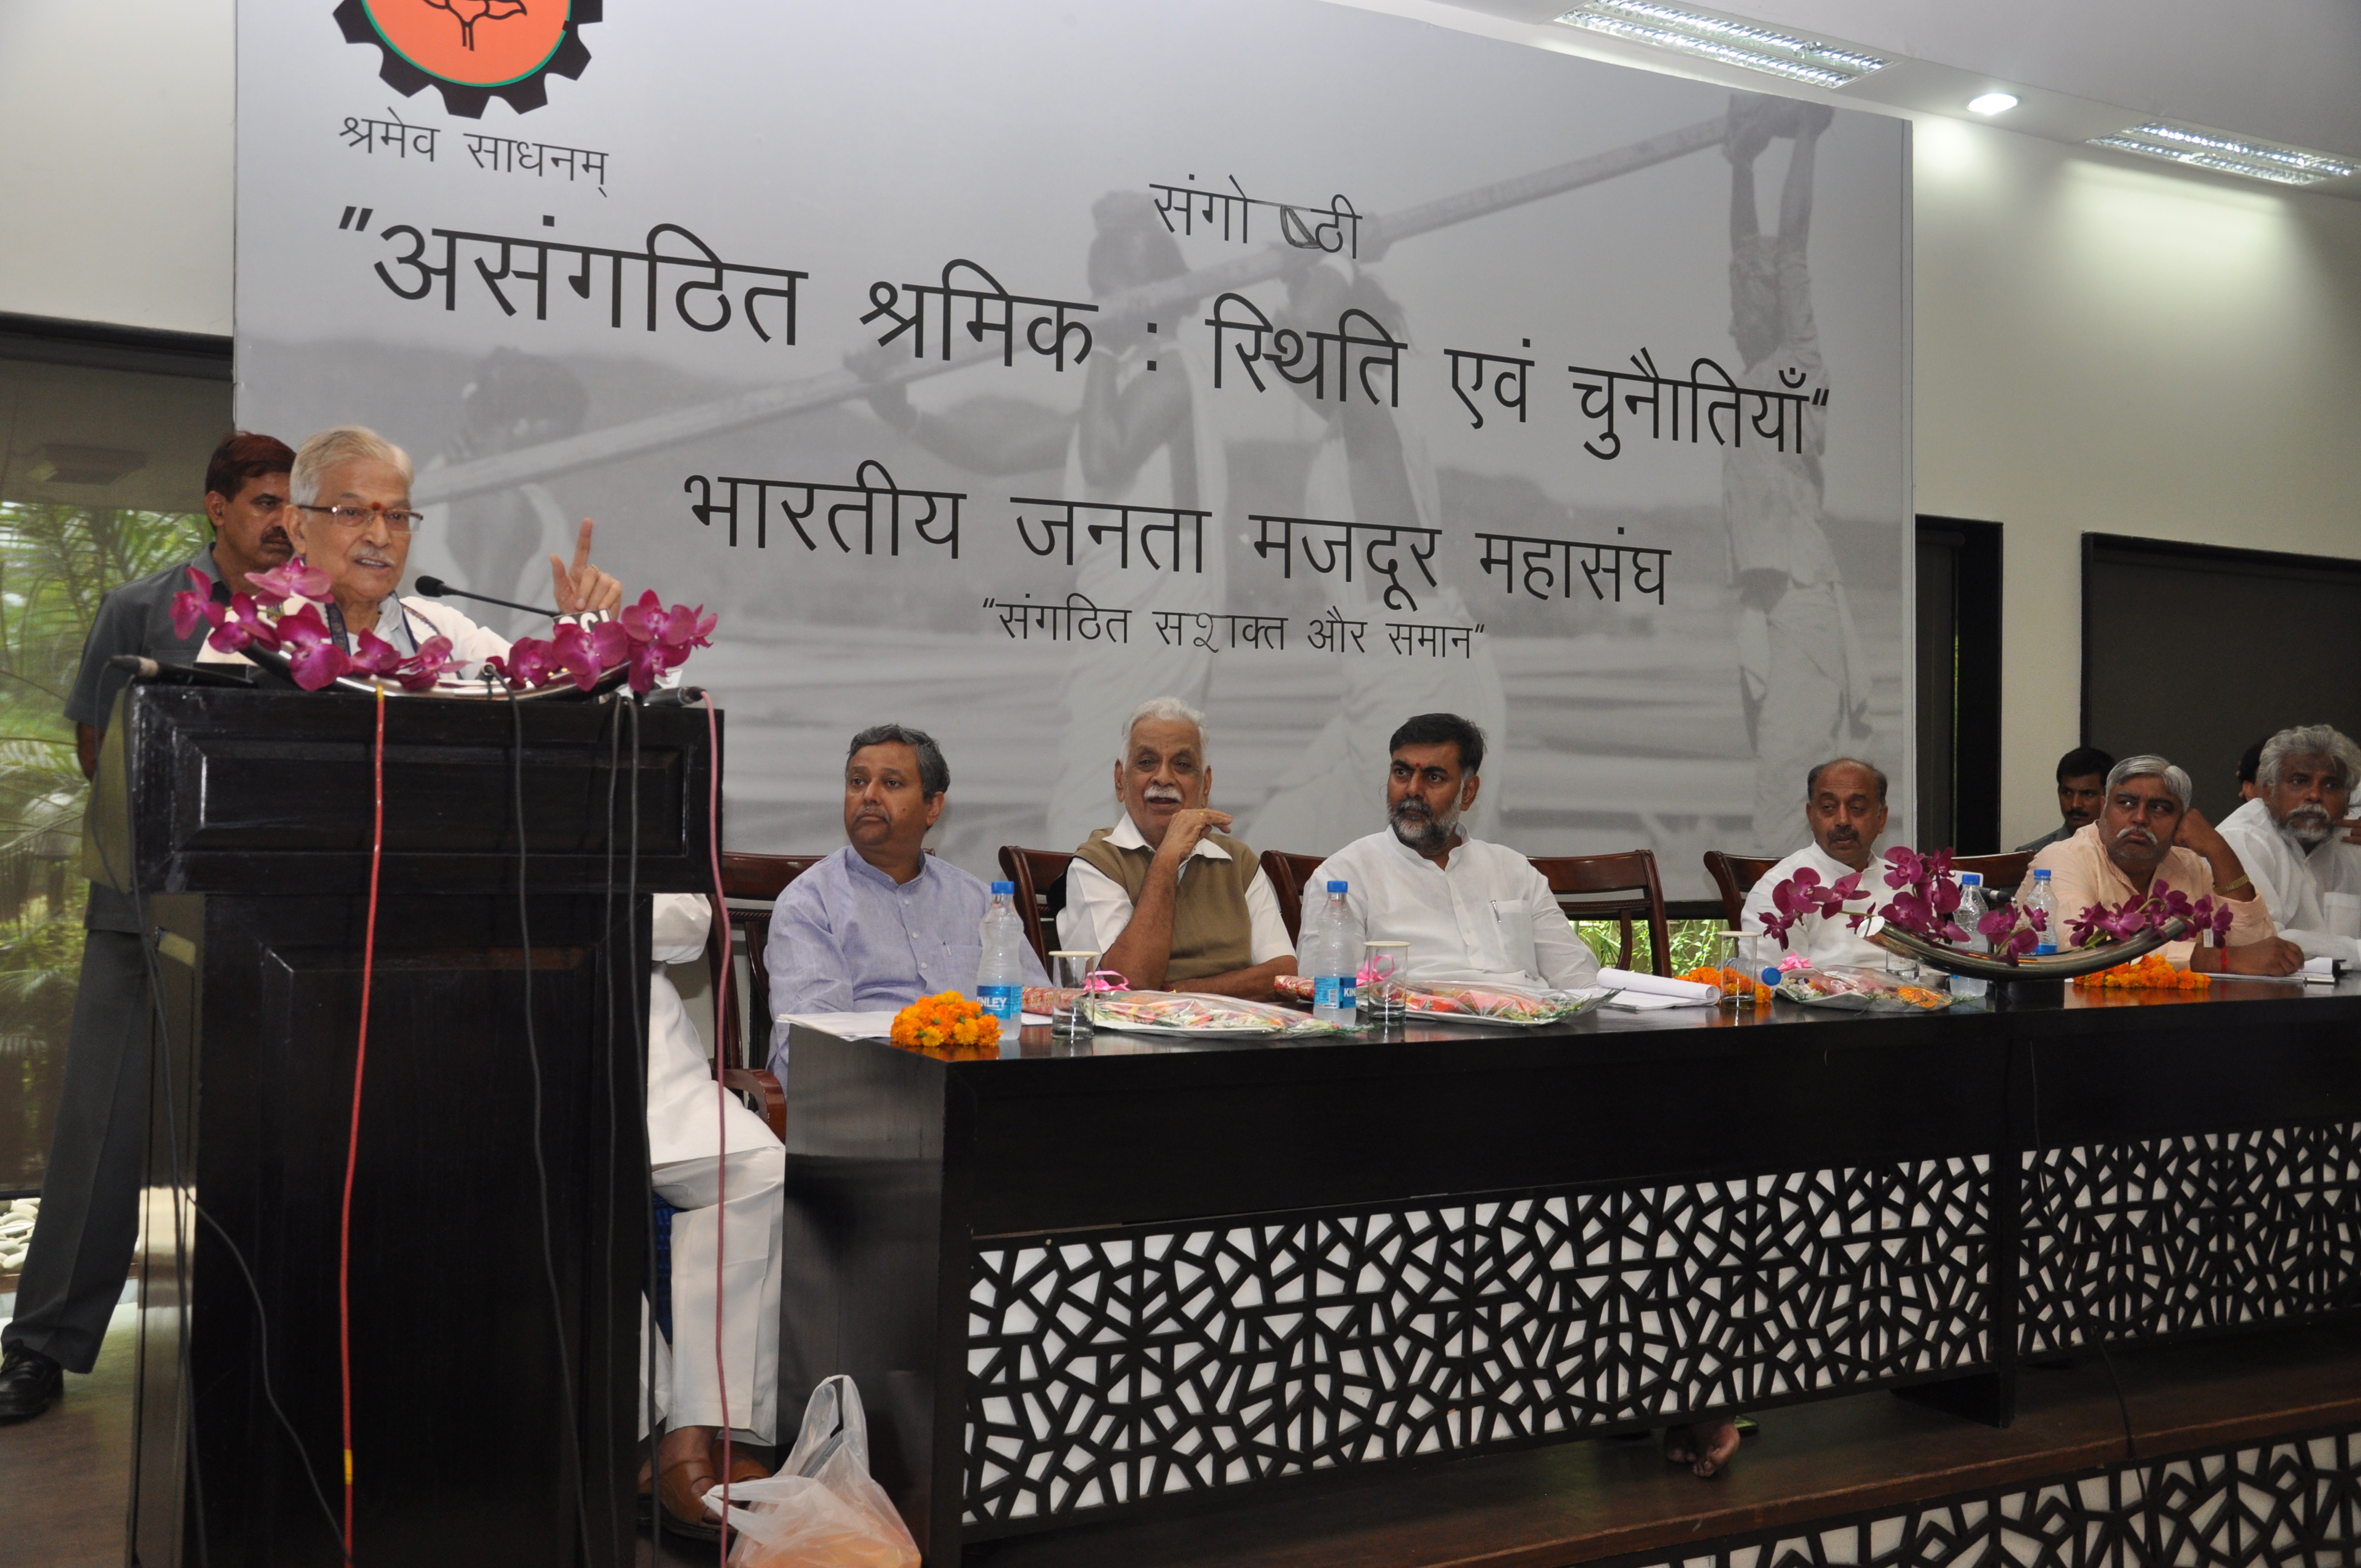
{"x": 1844, "y": 805}
{"x": 1368, "y": 469}
{"x": 2291, "y": 837}
{"x": 700, "y": 1143}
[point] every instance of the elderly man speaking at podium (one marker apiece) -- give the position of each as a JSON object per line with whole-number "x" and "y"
{"x": 352, "y": 519}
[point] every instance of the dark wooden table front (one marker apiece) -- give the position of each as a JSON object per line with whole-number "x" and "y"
{"x": 1148, "y": 1275}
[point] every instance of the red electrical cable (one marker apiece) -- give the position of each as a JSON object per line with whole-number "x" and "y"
{"x": 724, "y": 984}
{"x": 353, "y": 1146}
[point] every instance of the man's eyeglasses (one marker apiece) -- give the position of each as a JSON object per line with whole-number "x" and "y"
{"x": 357, "y": 517}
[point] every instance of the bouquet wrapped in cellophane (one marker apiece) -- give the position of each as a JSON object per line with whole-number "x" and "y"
{"x": 1196, "y": 1012}
{"x": 1514, "y": 1005}
{"x": 1858, "y": 991}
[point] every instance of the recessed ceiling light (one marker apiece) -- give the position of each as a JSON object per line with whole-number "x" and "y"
{"x": 2230, "y": 155}
{"x": 1993, "y": 104}
{"x": 1726, "y": 39}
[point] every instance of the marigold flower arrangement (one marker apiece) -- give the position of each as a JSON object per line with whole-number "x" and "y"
{"x": 2148, "y": 972}
{"x": 948, "y": 1026}
{"x": 1731, "y": 983}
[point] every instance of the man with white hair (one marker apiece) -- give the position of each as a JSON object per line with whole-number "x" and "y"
{"x": 1165, "y": 896}
{"x": 2289, "y": 838}
{"x": 2148, "y": 832}
{"x": 351, "y": 518}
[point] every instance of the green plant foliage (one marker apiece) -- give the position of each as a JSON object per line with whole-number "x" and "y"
{"x": 1692, "y": 942}
{"x": 56, "y": 563}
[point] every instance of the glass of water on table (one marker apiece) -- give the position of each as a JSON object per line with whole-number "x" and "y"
{"x": 1070, "y": 972}
{"x": 1381, "y": 999}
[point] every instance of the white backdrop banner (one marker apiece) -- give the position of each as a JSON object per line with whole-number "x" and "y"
{"x": 994, "y": 368}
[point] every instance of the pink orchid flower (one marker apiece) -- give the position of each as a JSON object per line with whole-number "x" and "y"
{"x": 298, "y": 578}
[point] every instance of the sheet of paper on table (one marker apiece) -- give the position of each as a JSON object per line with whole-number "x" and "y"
{"x": 846, "y": 1026}
{"x": 1641, "y": 1002}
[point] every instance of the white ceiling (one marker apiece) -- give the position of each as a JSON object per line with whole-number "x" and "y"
{"x": 2286, "y": 71}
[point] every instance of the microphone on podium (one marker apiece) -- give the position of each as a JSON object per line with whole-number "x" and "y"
{"x": 163, "y": 673}
{"x": 436, "y": 588}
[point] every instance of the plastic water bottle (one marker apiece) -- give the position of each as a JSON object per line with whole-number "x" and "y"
{"x": 1336, "y": 962}
{"x": 1315, "y": 919}
{"x": 1971, "y": 909}
{"x": 1000, "y": 974}
{"x": 2038, "y": 898}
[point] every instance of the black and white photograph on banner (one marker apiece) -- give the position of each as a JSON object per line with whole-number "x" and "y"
{"x": 1315, "y": 398}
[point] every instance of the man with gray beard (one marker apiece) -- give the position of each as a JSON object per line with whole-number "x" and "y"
{"x": 1472, "y": 911}
{"x": 2291, "y": 839}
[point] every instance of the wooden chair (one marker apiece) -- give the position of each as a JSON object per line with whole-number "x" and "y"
{"x": 2006, "y": 872}
{"x": 1288, "y": 876}
{"x": 757, "y": 881}
{"x": 1581, "y": 880}
{"x": 1735, "y": 876}
{"x": 1040, "y": 878}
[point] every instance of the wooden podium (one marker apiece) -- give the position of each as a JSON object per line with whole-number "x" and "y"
{"x": 243, "y": 820}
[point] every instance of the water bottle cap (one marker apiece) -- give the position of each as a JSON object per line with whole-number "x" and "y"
{"x": 1335, "y": 887}
{"x": 1008, "y": 887}
{"x": 1971, "y": 879}
{"x": 1770, "y": 974}
{"x": 2041, "y": 873}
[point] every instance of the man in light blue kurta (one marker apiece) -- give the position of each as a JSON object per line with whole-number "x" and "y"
{"x": 880, "y": 923}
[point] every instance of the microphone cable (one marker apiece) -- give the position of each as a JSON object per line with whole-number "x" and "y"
{"x": 725, "y": 985}
{"x": 353, "y": 1143}
{"x": 539, "y": 1160}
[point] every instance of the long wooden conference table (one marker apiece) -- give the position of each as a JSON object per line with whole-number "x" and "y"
{"x": 1139, "y": 1282}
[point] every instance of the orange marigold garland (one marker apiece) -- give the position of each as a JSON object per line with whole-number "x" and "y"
{"x": 1731, "y": 983}
{"x": 948, "y": 1026}
{"x": 2148, "y": 972}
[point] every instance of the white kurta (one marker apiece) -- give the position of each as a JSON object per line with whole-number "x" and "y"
{"x": 1486, "y": 918}
{"x": 696, "y": 1135}
{"x": 2314, "y": 896}
{"x": 1824, "y": 941}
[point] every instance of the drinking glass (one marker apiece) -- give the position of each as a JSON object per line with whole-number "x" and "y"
{"x": 1072, "y": 972}
{"x": 1381, "y": 1000}
{"x": 1728, "y": 954}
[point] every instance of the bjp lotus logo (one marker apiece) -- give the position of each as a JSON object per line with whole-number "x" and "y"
{"x": 472, "y": 50}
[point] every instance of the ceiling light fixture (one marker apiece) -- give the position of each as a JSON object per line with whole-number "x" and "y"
{"x": 1725, "y": 39}
{"x": 1991, "y": 103}
{"x": 2230, "y": 155}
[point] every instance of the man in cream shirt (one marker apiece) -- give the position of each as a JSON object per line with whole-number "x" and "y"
{"x": 1471, "y": 911}
{"x": 1844, "y": 803}
{"x": 2289, "y": 838}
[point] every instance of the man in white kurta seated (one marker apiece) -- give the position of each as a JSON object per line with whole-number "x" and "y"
{"x": 1844, "y": 805}
{"x": 1473, "y": 913}
{"x": 2291, "y": 839}
{"x": 1166, "y": 897}
{"x": 2148, "y": 832}
{"x": 350, "y": 516}
{"x": 716, "y": 1163}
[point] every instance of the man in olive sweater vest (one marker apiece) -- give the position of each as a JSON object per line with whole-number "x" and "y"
{"x": 1165, "y": 896}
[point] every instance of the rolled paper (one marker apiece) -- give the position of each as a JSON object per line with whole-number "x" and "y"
{"x": 1658, "y": 986}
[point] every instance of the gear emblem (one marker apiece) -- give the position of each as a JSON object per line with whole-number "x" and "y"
{"x": 474, "y": 50}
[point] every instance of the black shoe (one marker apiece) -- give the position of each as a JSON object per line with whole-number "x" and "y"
{"x": 29, "y": 1384}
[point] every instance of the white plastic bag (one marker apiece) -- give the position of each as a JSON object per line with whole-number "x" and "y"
{"x": 821, "y": 1510}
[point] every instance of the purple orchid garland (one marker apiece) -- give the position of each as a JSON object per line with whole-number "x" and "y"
{"x": 650, "y": 638}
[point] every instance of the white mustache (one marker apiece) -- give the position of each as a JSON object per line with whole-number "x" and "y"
{"x": 2140, "y": 834}
{"x": 1162, "y": 796}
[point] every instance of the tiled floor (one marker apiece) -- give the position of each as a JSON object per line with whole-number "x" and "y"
{"x": 65, "y": 1478}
